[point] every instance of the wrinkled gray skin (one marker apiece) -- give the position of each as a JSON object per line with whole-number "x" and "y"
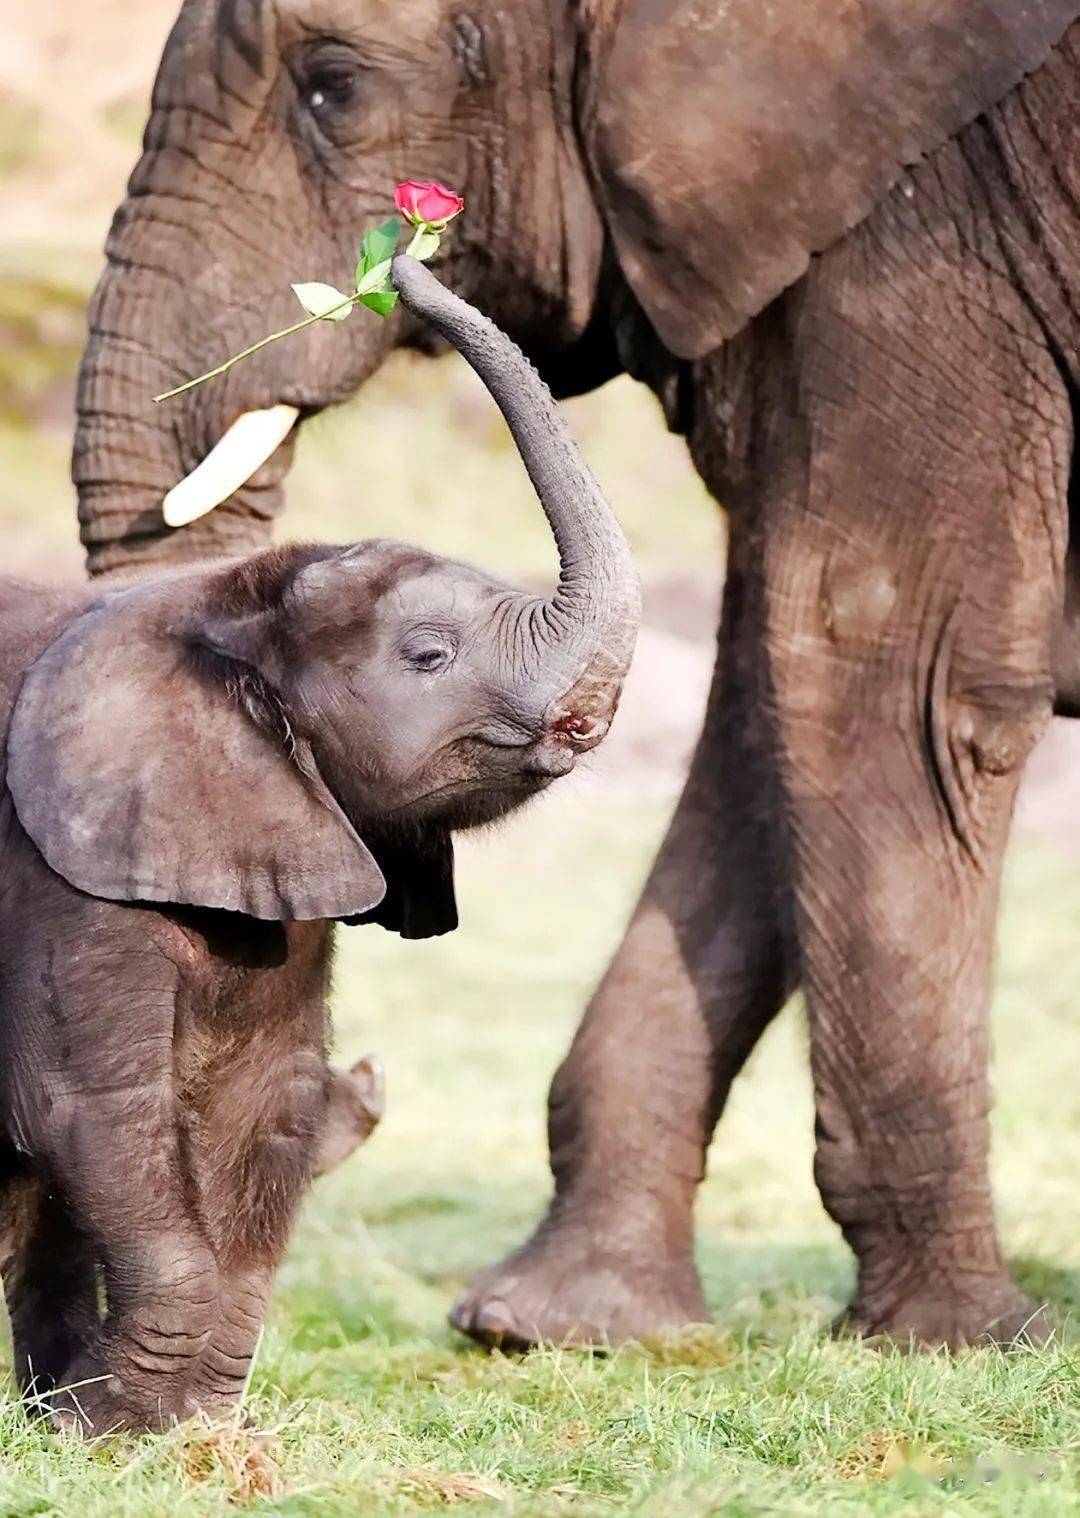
{"x": 889, "y": 426}
{"x": 200, "y": 771}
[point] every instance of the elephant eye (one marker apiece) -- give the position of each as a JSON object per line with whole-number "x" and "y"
{"x": 328, "y": 79}
{"x": 428, "y": 656}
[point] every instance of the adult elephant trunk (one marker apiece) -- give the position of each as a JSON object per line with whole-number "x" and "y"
{"x": 182, "y": 290}
{"x": 128, "y": 453}
{"x": 583, "y": 635}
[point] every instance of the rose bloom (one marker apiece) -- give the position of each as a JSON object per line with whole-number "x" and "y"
{"x": 426, "y": 200}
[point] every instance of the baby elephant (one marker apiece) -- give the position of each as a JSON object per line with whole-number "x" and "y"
{"x": 202, "y": 773}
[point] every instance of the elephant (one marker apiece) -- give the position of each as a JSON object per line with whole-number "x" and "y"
{"x": 838, "y": 243}
{"x": 204, "y": 769}
{"x": 356, "y": 1101}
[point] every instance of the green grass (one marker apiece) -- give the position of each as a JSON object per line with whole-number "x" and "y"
{"x": 365, "y": 1400}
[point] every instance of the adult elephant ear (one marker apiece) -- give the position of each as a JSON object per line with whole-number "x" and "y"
{"x": 731, "y": 140}
{"x": 148, "y": 764}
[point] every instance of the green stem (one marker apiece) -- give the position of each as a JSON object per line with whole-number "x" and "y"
{"x": 423, "y": 229}
{"x": 308, "y": 321}
{"x": 372, "y": 280}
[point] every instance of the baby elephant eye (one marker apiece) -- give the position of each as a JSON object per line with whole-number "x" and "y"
{"x": 429, "y": 657}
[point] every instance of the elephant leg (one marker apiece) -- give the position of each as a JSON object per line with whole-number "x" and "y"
{"x": 700, "y": 973}
{"x": 264, "y": 1113}
{"x": 119, "y": 1170}
{"x": 1066, "y": 645}
{"x": 50, "y": 1284}
{"x": 915, "y": 529}
{"x": 218, "y": 1378}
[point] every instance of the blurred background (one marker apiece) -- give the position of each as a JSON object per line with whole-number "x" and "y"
{"x": 471, "y": 1027}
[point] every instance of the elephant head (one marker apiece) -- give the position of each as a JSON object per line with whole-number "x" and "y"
{"x": 651, "y": 163}
{"x": 300, "y": 729}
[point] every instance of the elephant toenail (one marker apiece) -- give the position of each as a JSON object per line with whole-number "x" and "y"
{"x": 495, "y": 1321}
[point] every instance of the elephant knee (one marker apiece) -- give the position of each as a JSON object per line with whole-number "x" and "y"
{"x": 984, "y": 718}
{"x": 999, "y": 730}
{"x": 176, "y": 1271}
{"x": 164, "y": 1306}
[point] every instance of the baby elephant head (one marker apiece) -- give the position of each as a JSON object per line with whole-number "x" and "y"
{"x": 294, "y": 735}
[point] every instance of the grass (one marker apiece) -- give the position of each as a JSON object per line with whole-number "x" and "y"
{"x": 364, "y": 1401}
{"x": 20, "y": 132}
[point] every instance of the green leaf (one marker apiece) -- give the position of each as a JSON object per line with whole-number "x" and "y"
{"x": 377, "y": 246}
{"x": 376, "y": 278}
{"x": 423, "y": 245}
{"x": 381, "y": 301}
{"x": 319, "y": 300}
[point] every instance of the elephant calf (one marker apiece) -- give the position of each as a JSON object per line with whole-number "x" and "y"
{"x": 202, "y": 772}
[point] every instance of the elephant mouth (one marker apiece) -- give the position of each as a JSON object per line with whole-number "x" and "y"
{"x": 475, "y": 802}
{"x": 472, "y": 803}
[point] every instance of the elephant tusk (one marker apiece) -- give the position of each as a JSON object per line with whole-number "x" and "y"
{"x": 231, "y": 462}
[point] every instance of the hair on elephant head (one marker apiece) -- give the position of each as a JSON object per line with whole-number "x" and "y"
{"x": 709, "y": 154}
{"x": 294, "y": 735}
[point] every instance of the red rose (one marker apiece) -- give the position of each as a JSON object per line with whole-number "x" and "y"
{"x": 425, "y": 200}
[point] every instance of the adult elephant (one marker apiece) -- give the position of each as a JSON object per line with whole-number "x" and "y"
{"x": 839, "y": 242}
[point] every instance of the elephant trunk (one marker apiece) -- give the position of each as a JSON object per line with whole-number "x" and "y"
{"x": 128, "y": 452}
{"x": 587, "y": 628}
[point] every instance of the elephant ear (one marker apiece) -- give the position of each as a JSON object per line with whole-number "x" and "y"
{"x": 419, "y": 873}
{"x": 734, "y": 139}
{"x": 143, "y": 772}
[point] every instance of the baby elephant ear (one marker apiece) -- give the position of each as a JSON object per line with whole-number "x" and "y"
{"x": 142, "y": 777}
{"x": 420, "y": 900}
{"x": 732, "y": 140}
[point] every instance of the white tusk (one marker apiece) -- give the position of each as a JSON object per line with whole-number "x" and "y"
{"x": 231, "y": 462}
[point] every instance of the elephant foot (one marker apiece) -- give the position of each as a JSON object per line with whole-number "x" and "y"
{"x": 92, "y": 1402}
{"x": 91, "y": 1410}
{"x": 998, "y": 1313}
{"x": 563, "y": 1287}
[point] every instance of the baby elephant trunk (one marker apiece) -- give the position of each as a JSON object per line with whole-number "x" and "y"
{"x": 586, "y": 629}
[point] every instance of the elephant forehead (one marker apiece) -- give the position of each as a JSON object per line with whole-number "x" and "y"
{"x": 400, "y": 19}
{"x": 347, "y": 599}
{"x": 441, "y": 589}
{"x": 259, "y": 30}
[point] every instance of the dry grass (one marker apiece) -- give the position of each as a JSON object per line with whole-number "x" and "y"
{"x": 230, "y": 1456}
{"x": 427, "y": 1487}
